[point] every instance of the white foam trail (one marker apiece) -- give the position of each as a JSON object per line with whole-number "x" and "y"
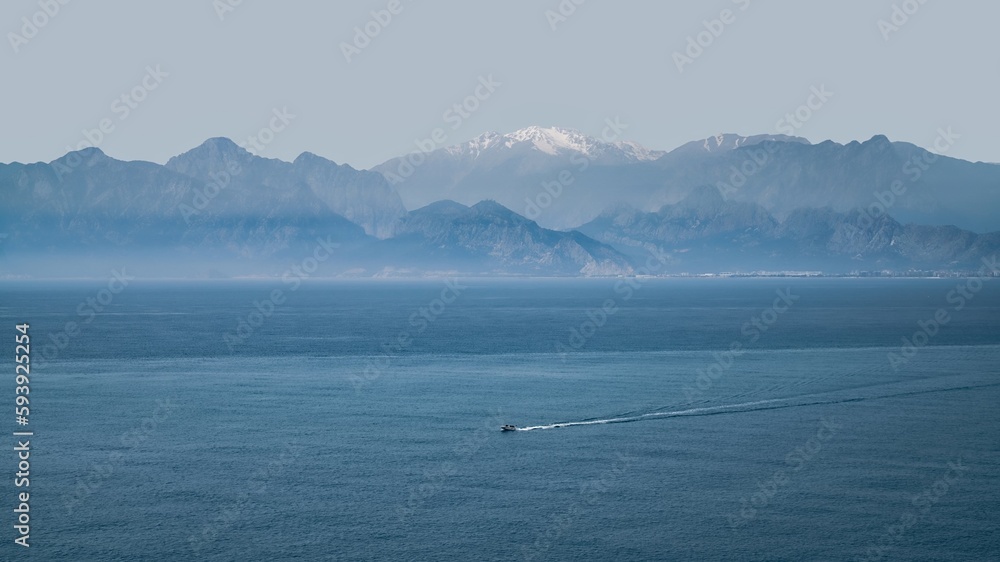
{"x": 707, "y": 410}
{"x": 687, "y": 412}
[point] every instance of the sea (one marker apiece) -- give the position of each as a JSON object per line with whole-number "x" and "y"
{"x": 658, "y": 419}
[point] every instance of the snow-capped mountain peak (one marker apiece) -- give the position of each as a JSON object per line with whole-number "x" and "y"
{"x": 552, "y": 140}
{"x": 555, "y": 141}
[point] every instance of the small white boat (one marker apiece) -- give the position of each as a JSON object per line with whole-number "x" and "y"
{"x": 508, "y": 427}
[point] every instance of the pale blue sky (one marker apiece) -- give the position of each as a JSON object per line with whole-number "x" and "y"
{"x": 608, "y": 59}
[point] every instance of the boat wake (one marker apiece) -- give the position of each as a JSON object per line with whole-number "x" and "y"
{"x": 755, "y": 406}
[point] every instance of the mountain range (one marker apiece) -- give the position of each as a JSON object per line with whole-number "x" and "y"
{"x": 539, "y": 201}
{"x": 703, "y": 230}
{"x": 553, "y": 176}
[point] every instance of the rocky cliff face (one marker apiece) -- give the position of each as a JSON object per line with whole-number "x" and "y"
{"x": 514, "y": 168}
{"x": 212, "y": 199}
{"x": 219, "y": 207}
{"x": 309, "y": 184}
{"x": 563, "y": 179}
{"x": 491, "y": 238}
{"x": 705, "y": 231}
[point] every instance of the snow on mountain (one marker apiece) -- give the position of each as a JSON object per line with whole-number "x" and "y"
{"x": 723, "y": 142}
{"x": 512, "y": 169}
{"x": 554, "y": 141}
